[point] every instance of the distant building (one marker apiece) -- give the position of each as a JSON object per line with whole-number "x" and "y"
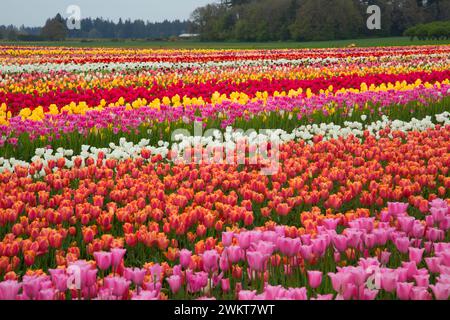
{"x": 188, "y": 35}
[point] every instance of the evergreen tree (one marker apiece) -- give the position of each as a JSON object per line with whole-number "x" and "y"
{"x": 54, "y": 29}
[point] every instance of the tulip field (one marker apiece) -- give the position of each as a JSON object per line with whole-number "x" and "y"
{"x": 157, "y": 174}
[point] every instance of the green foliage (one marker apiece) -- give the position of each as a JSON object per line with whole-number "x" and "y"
{"x": 54, "y": 29}
{"x": 434, "y": 31}
{"x": 311, "y": 20}
{"x": 213, "y": 21}
{"x": 327, "y": 19}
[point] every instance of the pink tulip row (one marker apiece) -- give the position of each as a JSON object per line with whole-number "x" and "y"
{"x": 395, "y": 255}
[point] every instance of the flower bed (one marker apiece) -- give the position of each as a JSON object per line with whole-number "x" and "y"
{"x": 106, "y": 193}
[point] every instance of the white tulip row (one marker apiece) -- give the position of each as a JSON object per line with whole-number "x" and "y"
{"x": 444, "y": 60}
{"x": 228, "y": 140}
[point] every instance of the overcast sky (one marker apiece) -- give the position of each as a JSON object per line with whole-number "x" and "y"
{"x": 34, "y": 13}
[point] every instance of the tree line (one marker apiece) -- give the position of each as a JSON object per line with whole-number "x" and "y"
{"x": 99, "y": 28}
{"x": 260, "y": 20}
{"x": 436, "y": 30}
{"x": 310, "y": 20}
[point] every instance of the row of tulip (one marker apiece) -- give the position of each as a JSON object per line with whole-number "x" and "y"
{"x": 182, "y": 94}
{"x": 227, "y": 142}
{"x": 40, "y": 78}
{"x": 14, "y": 55}
{"x": 149, "y": 78}
{"x": 155, "y": 208}
{"x": 395, "y": 256}
{"x": 21, "y": 137}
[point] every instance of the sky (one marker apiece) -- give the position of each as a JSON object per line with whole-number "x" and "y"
{"x": 33, "y": 13}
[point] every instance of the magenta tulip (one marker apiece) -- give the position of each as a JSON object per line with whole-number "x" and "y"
{"x": 314, "y": 279}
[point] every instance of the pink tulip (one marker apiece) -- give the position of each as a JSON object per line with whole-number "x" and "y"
{"x": 367, "y": 294}
{"x": 306, "y": 252}
{"x": 438, "y": 203}
{"x": 337, "y": 280}
{"x": 152, "y": 286}
{"x": 244, "y": 240}
{"x": 434, "y": 234}
{"x": 117, "y": 256}
{"x": 350, "y": 291}
{"x": 196, "y": 281}
{"x": 174, "y": 283}
{"x": 381, "y": 236}
{"x": 429, "y": 220}
{"x": 330, "y": 224}
{"x": 340, "y": 242}
{"x": 299, "y": 294}
{"x": 266, "y": 247}
{"x": 397, "y": 208}
{"x": 336, "y": 256}
{"x": 402, "y": 244}
{"x": 247, "y": 295}
{"x": 60, "y": 281}
{"x": 402, "y": 274}
{"x": 146, "y": 295}
{"x": 411, "y": 268}
{"x": 234, "y": 253}
{"x": 384, "y": 257}
{"x": 272, "y": 292}
{"x": 225, "y": 284}
{"x": 444, "y": 270}
{"x": 404, "y": 290}
{"x": 136, "y": 275}
{"x": 139, "y": 276}
{"x": 257, "y": 260}
{"x": 420, "y": 293}
{"x": 385, "y": 216}
{"x": 224, "y": 264}
{"x": 106, "y": 294}
{"x": 422, "y": 280}
{"x": 9, "y": 290}
{"x": 445, "y": 224}
{"x": 118, "y": 285}
{"x": 91, "y": 277}
{"x": 89, "y": 292}
{"x": 103, "y": 259}
{"x": 314, "y": 279}
{"x": 433, "y": 264}
{"x": 206, "y": 298}
{"x": 438, "y": 214}
{"x": 428, "y": 246}
{"x": 415, "y": 254}
{"x": 155, "y": 272}
{"x": 389, "y": 281}
{"x": 358, "y": 275}
{"x": 54, "y": 272}
{"x": 210, "y": 261}
{"x": 270, "y": 236}
{"x": 445, "y": 255}
{"x": 441, "y": 291}
{"x": 319, "y": 245}
{"x": 406, "y": 223}
{"x": 31, "y": 286}
{"x": 47, "y": 294}
{"x": 288, "y": 246}
{"x": 227, "y": 238}
{"x": 185, "y": 258}
{"x": 306, "y": 239}
{"x": 369, "y": 240}
{"x": 418, "y": 230}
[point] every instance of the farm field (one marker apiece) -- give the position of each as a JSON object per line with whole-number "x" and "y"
{"x": 252, "y": 174}
{"x": 195, "y": 44}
